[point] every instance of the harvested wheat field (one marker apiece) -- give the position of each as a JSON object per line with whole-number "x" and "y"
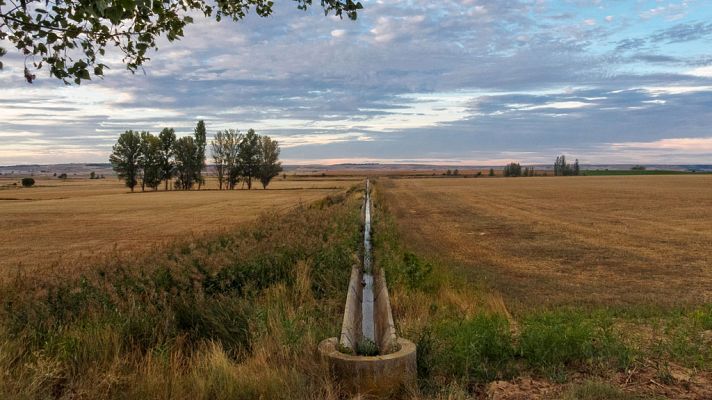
{"x": 57, "y": 223}
{"x": 629, "y": 240}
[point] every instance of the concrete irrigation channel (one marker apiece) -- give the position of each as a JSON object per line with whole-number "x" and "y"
{"x": 368, "y": 357}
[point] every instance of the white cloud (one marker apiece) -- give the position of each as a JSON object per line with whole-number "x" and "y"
{"x": 338, "y": 33}
{"x": 559, "y": 105}
{"x": 702, "y": 144}
{"x": 705, "y": 72}
{"x": 662, "y": 90}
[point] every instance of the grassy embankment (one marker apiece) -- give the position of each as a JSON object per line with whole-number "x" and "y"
{"x": 467, "y": 337}
{"x": 234, "y": 316}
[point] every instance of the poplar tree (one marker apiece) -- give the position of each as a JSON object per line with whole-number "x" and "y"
{"x": 249, "y": 157}
{"x": 168, "y": 140}
{"x": 233, "y": 138}
{"x": 150, "y": 161}
{"x": 217, "y": 147}
{"x": 125, "y": 158}
{"x": 269, "y": 159}
{"x": 200, "y": 143}
{"x": 185, "y": 150}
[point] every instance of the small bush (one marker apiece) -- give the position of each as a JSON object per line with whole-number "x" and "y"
{"x": 425, "y": 355}
{"x": 551, "y": 341}
{"x": 223, "y": 319}
{"x": 703, "y": 316}
{"x": 366, "y": 347}
{"x": 28, "y": 182}
{"x": 417, "y": 272}
{"x": 479, "y": 348}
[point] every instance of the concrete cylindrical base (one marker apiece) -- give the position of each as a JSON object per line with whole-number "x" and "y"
{"x": 377, "y": 375}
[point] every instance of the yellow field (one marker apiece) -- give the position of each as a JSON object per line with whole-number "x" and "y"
{"x": 579, "y": 240}
{"x": 56, "y": 223}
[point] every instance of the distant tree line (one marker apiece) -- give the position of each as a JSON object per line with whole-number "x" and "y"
{"x": 562, "y": 168}
{"x": 145, "y": 159}
{"x": 455, "y": 172}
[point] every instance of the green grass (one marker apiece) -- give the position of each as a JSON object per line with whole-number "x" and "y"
{"x": 554, "y": 342}
{"x": 478, "y": 348}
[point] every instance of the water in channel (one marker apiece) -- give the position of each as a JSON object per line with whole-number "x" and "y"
{"x": 367, "y": 300}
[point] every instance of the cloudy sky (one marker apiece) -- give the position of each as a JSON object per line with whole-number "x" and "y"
{"x": 468, "y": 82}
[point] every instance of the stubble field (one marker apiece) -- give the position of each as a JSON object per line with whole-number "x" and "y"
{"x": 642, "y": 240}
{"x": 59, "y": 225}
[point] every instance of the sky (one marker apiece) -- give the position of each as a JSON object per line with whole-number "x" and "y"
{"x": 469, "y": 82}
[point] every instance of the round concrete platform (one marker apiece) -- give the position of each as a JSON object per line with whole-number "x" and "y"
{"x": 375, "y": 375}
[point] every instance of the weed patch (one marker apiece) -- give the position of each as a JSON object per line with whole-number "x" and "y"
{"x": 552, "y": 341}
{"x": 479, "y": 348}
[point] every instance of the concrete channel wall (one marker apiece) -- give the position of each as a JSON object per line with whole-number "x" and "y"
{"x": 385, "y": 331}
{"x": 383, "y": 316}
{"x": 395, "y": 364}
{"x": 351, "y": 325}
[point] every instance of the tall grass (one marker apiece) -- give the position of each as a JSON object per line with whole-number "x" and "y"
{"x": 235, "y": 316}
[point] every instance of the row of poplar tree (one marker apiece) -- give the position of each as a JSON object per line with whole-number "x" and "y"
{"x": 146, "y": 159}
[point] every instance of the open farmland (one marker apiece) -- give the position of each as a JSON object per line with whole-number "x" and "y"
{"x": 643, "y": 240}
{"x": 65, "y": 224}
{"x": 548, "y": 288}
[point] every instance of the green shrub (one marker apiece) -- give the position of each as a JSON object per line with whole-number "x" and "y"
{"x": 703, "y": 317}
{"x": 225, "y": 320}
{"x": 28, "y": 182}
{"x": 424, "y": 355}
{"x": 366, "y": 347}
{"x": 479, "y": 348}
{"x": 416, "y": 271}
{"x": 552, "y": 341}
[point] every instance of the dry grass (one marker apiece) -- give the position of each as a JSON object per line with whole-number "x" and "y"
{"x": 641, "y": 240}
{"x": 73, "y": 222}
{"x": 230, "y": 316}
